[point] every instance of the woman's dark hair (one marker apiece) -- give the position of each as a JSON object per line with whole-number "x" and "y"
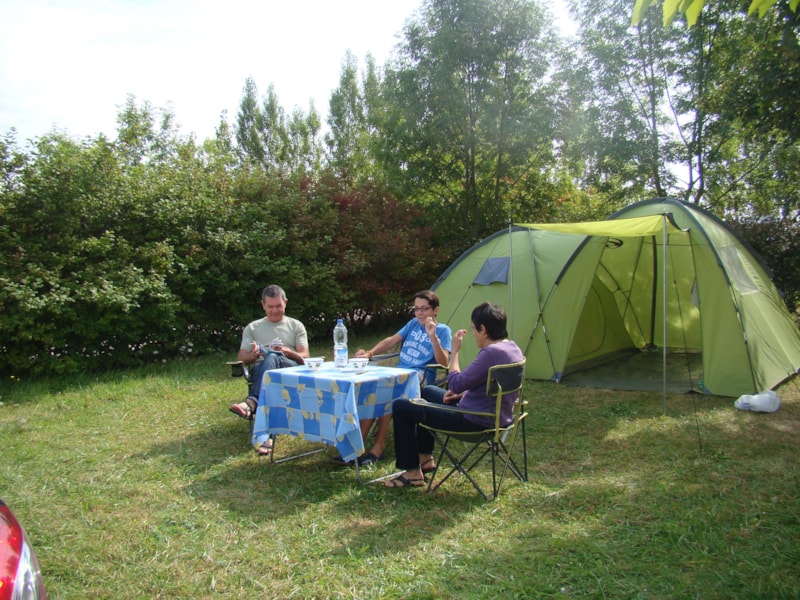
{"x": 493, "y": 318}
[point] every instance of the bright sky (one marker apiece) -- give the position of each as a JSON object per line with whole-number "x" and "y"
{"x": 70, "y": 64}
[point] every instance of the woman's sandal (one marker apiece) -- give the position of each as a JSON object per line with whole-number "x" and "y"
{"x": 429, "y": 469}
{"x": 402, "y": 481}
{"x": 265, "y": 449}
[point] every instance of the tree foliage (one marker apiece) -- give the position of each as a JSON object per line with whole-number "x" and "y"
{"x": 277, "y": 143}
{"x": 627, "y": 76}
{"x": 691, "y": 9}
{"x": 121, "y": 252}
{"x": 466, "y": 126}
{"x": 350, "y": 139}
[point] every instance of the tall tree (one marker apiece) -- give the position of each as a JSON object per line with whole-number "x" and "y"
{"x": 755, "y": 136}
{"x": 144, "y": 132}
{"x": 467, "y": 127}
{"x": 279, "y": 144}
{"x": 631, "y": 137}
{"x": 731, "y": 86}
{"x": 249, "y": 125}
{"x": 349, "y": 140}
{"x": 303, "y": 145}
{"x": 274, "y": 132}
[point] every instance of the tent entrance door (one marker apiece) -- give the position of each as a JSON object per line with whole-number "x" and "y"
{"x": 642, "y": 370}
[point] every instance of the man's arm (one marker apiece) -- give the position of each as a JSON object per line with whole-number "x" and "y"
{"x": 297, "y": 355}
{"x": 441, "y": 355}
{"x": 248, "y": 355}
{"x": 381, "y": 347}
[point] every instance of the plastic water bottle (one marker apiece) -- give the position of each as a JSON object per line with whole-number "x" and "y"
{"x": 340, "y": 345}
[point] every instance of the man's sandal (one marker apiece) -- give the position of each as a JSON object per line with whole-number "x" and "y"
{"x": 424, "y": 470}
{"x": 402, "y": 481}
{"x": 244, "y": 409}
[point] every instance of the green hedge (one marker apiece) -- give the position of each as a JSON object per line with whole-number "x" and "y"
{"x": 117, "y": 255}
{"x": 111, "y": 263}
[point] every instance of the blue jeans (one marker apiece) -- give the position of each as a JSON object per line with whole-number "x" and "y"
{"x": 410, "y": 440}
{"x": 272, "y": 360}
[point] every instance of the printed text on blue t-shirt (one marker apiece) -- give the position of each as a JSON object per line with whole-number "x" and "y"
{"x": 417, "y": 349}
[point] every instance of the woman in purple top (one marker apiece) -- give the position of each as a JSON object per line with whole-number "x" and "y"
{"x": 413, "y": 445}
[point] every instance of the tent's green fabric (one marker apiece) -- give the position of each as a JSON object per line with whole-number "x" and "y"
{"x": 583, "y": 294}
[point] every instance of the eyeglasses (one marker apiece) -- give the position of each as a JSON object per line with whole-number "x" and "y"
{"x": 420, "y": 308}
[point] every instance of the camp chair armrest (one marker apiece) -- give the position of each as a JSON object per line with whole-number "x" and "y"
{"x": 435, "y": 366}
{"x": 450, "y": 408}
{"x": 439, "y": 374}
{"x": 239, "y": 369}
{"x": 382, "y": 358}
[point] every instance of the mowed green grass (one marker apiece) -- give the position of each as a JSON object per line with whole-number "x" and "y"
{"x": 141, "y": 484}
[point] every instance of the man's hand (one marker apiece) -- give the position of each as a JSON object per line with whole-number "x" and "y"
{"x": 430, "y": 327}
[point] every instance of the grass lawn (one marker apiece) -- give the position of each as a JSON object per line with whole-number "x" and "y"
{"x": 141, "y": 484}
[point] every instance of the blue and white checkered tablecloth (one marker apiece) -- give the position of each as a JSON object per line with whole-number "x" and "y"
{"x": 326, "y": 405}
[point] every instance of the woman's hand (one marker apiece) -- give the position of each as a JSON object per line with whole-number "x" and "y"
{"x": 458, "y": 339}
{"x": 452, "y": 397}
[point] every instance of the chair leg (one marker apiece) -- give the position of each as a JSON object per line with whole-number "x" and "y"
{"x": 445, "y": 451}
{"x": 442, "y": 452}
{"x": 502, "y": 461}
{"x": 495, "y": 485}
{"x": 504, "y": 453}
{"x": 457, "y": 465}
{"x": 466, "y": 472}
{"x": 524, "y": 451}
{"x": 431, "y": 487}
{"x": 500, "y": 452}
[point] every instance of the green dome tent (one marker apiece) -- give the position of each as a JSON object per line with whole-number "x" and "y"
{"x": 587, "y": 298}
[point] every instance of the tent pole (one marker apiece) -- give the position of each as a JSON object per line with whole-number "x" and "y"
{"x": 664, "y": 311}
{"x": 510, "y": 310}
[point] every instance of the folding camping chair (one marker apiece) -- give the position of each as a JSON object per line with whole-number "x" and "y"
{"x": 242, "y": 369}
{"x": 497, "y": 441}
{"x": 390, "y": 358}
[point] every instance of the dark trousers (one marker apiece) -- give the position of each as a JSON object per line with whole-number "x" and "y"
{"x": 410, "y": 440}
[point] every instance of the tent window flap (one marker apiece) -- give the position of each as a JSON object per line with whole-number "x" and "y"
{"x": 494, "y": 270}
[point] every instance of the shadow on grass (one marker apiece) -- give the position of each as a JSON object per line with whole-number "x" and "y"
{"x": 222, "y": 471}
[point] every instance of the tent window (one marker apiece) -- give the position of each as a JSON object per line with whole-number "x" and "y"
{"x": 736, "y": 270}
{"x": 494, "y": 270}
